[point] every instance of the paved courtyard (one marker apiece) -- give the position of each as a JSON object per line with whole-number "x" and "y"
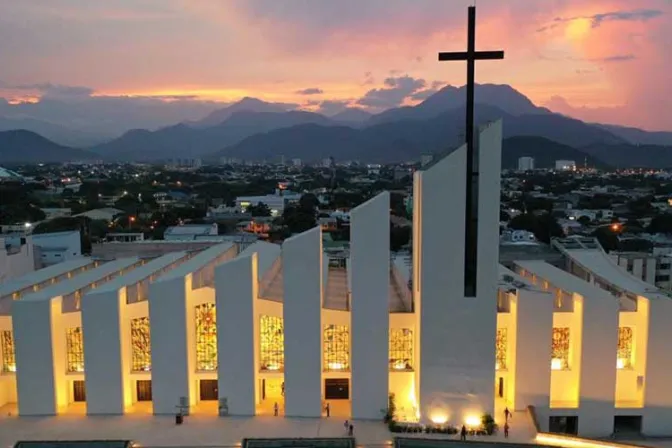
{"x": 150, "y": 431}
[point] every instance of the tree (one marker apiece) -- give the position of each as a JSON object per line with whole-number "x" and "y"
{"x": 399, "y": 237}
{"x": 309, "y": 201}
{"x": 544, "y": 226}
{"x": 258, "y": 210}
{"x": 607, "y": 237}
{"x": 661, "y": 224}
{"x": 298, "y": 219}
{"x": 584, "y": 220}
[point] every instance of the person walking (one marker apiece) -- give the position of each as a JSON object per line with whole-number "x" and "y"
{"x": 507, "y": 414}
{"x": 463, "y": 433}
{"x": 275, "y": 409}
{"x": 327, "y": 409}
{"x": 506, "y": 430}
{"x": 351, "y": 430}
{"x": 346, "y": 425}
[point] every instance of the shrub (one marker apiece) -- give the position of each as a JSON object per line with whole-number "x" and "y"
{"x": 488, "y": 423}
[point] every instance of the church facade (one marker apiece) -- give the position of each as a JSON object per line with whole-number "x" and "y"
{"x": 289, "y": 330}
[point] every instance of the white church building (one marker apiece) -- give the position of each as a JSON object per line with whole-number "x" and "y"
{"x": 231, "y": 332}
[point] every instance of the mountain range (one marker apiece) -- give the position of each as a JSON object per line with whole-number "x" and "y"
{"x": 254, "y": 130}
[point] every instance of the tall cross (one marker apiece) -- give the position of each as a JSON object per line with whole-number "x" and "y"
{"x": 471, "y": 212}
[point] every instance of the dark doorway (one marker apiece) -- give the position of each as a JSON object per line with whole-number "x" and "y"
{"x": 209, "y": 390}
{"x": 144, "y": 390}
{"x": 337, "y": 389}
{"x": 563, "y": 425}
{"x": 628, "y": 424}
{"x": 501, "y": 387}
{"x": 79, "y": 391}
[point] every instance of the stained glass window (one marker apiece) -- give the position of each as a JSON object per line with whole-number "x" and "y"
{"x": 500, "y": 345}
{"x": 336, "y": 348}
{"x": 560, "y": 349}
{"x": 401, "y": 349}
{"x": 8, "y": 353}
{"x": 141, "y": 358}
{"x": 272, "y": 337}
{"x": 206, "y": 337}
{"x": 75, "y": 349}
{"x": 625, "y": 340}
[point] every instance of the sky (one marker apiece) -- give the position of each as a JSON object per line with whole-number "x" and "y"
{"x": 598, "y": 60}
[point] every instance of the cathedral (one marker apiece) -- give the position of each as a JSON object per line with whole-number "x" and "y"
{"x": 289, "y": 329}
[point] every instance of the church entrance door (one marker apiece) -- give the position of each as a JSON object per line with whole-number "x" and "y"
{"x": 336, "y": 389}
{"x": 209, "y": 390}
{"x": 144, "y": 390}
{"x": 79, "y": 391}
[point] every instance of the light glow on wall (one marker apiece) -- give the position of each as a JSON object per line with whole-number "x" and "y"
{"x": 439, "y": 418}
{"x": 472, "y": 421}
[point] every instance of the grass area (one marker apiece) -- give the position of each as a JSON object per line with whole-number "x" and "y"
{"x": 401, "y": 442}
{"x": 75, "y": 444}
{"x": 300, "y": 443}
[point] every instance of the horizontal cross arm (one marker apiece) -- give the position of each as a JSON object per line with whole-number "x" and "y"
{"x": 465, "y": 56}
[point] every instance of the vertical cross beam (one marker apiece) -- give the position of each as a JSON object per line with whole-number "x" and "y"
{"x": 471, "y": 188}
{"x": 471, "y": 192}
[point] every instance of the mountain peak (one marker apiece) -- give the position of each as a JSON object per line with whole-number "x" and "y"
{"x": 245, "y": 104}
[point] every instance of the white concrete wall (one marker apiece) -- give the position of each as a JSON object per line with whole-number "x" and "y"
{"x": 170, "y": 357}
{"x": 33, "y": 326}
{"x": 370, "y": 284}
{"x": 657, "y": 391}
{"x": 534, "y": 330}
{"x": 599, "y": 347}
{"x": 103, "y": 359}
{"x": 237, "y": 330}
{"x": 302, "y": 280}
{"x": 457, "y": 334}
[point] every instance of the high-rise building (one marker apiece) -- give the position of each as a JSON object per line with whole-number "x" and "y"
{"x": 525, "y": 163}
{"x": 565, "y": 165}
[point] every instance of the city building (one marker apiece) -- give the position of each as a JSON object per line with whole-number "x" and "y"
{"x": 104, "y": 214}
{"x": 48, "y": 248}
{"x": 18, "y": 259}
{"x": 190, "y": 232}
{"x": 276, "y": 202}
{"x": 565, "y": 165}
{"x": 525, "y": 163}
{"x": 583, "y": 347}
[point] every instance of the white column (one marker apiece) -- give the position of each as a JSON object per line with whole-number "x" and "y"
{"x": 457, "y": 333}
{"x": 40, "y": 364}
{"x": 237, "y": 333}
{"x": 534, "y": 332}
{"x": 103, "y": 360}
{"x": 302, "y": 314}
{"x": 656, "y": 382}
{"x": 171, "y": 363}
{"x": 638, "y": 268}
{"x": 599, "y": 349}
{"x": 370, "y": 284}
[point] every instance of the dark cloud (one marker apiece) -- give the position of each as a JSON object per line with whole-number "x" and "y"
{"x": 76, "y": 107}
{"x": 57, "y": 90}
{"x": 310, "y": 91}
{"x": 620, "y": 58}
{"x": 394, "y": 92}
{"x": 368, "y": 79}
{"x": 636, "y": 15}
{"x": 332, "y": 107}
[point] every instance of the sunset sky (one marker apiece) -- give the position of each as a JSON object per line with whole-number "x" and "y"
{"x": 598, "y": 60}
